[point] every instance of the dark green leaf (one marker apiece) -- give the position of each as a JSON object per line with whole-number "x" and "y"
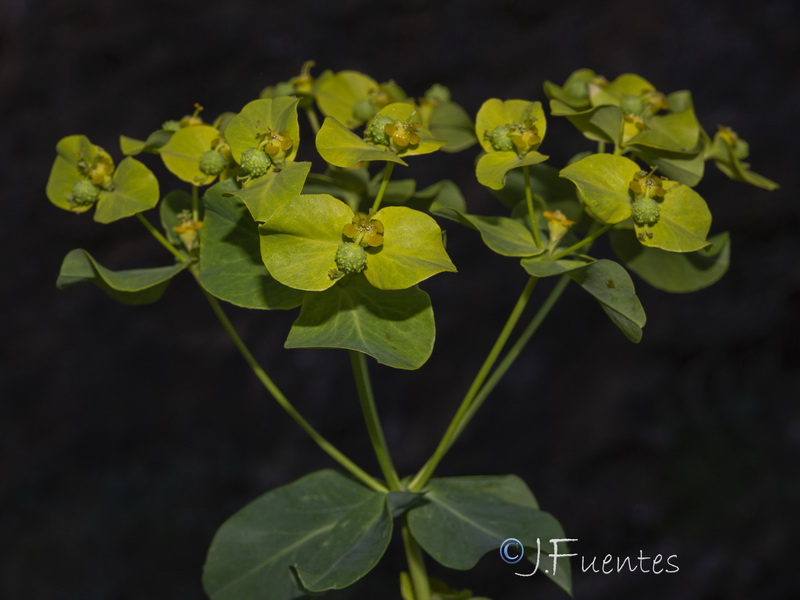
{"x": 673, "y": 271}
{"x": 395, "y": 327}
{"x": 612, "y": 287}
{"x": 466, "y": 517}
{"x": 505, "y": 236}
{"x": 230, "y": 258}
{"x": 331, "y": 530}
{"x": 135, "y": 286}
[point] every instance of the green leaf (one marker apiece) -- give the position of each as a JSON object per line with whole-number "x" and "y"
{"x": 181, "y": 155}
{"x": 395, "y": 327}
{"x": 685, "y": 168}
{"x": 502, "y": 235}
{"x": 599, "y": 124}
{"x": 451, "y": 124}
{"x": 300, "y": 240}
{"x": 263, "y": 195}
{"x": 130, "y": 146}
{"x": 603, "y": 182}
{"x": 277, "y": 114}
{"x": 437, "y": 197}
{"x": 674, "y": 132}
{"x": 135, "y": 190}
{"x": 493, "y": 166}
{"x": 543, "y": 266}
{"x": 230, "y": 258}
{"x": 330, "y": 529}
{"x": 466, "y": 517}
{"x": 341, "y": 147}
{"x": 683, "y": 224}
{"x": 412, "y": 250}
{"x": 135, "y": 286}
{"x": 63, "y": 176}
{"x": 338, "y": 95}
{"x": 672, "y": 271}
{"x": 612, "y": 287}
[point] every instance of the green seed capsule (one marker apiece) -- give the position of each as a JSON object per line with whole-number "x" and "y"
{"x": 577, "y": 89}
{"x": 632, "y": 105}
{"x": 376, "y": 132}
{"x": 351, "y": 258}
{"x": 212, "y": 163}
{"x": 645, "y": 211}
{"x": 84, "y": 192}
{"x": 255, "y": 162}
{"x": 364, "y": 110}
{"x": 500, "y": 138}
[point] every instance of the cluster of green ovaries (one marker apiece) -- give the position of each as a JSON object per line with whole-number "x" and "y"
{"x": 350, "y": 247}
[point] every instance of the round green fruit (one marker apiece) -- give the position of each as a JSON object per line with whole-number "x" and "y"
{"x": 645, "y": 211}
{"x": 255, "y": 162}
{"x": 377, "y": 130}
{"x": 212, "y": 163}
{"x": 364, "y": 110}
{"x": 351, "y": 258}
{"x": 500, "y": 138}
{"x": 84, "y": 192}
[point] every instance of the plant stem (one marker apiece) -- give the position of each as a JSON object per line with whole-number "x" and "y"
{"x": 587, "y": 240}
{"x": 195, "y": 204}
{"x": 601, "y": 147}
{"x": 515, "y": 350}
{"x": 529, "y": 201}
{"x": 365, "y": 395}
{"x": 161, "y": 239}
{"x": 387, "y": 174}
{"x": 416, "y": 564}
{"x": 312, "y": 119}
{"x": 450, "y": 436}
{"x": 274, "y": 391}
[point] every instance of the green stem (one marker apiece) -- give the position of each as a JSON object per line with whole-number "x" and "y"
{"x": 587, "y": 240}
{"x": 529, "y": 201}
{"x": 276, "y": 393}
{"x": 601, "y": 147}
{"x": 365, "y": 395}
{"x": 161, "y": 239}
{"x": 416, "y": 564}
{"x": 450, "y": 436}
{"x": 195, "y": 204}
{"x": 312, "y": 119}
{"x": 387, "y": 174}
{"x": 515, "y": 350}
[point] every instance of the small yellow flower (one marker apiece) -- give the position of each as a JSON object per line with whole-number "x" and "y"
{"x": 557, "y": 224}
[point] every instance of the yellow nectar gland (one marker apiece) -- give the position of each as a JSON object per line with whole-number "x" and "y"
{"x": 274, "y": 142}
{"x": 364, "y": 231}
{"x": 402, "y": 134}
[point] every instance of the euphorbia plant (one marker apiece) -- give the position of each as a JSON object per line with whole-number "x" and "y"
{"x": 350, "y": 245}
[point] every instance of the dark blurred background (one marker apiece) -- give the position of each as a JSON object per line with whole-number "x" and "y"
{"x": 128, "y": 434}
